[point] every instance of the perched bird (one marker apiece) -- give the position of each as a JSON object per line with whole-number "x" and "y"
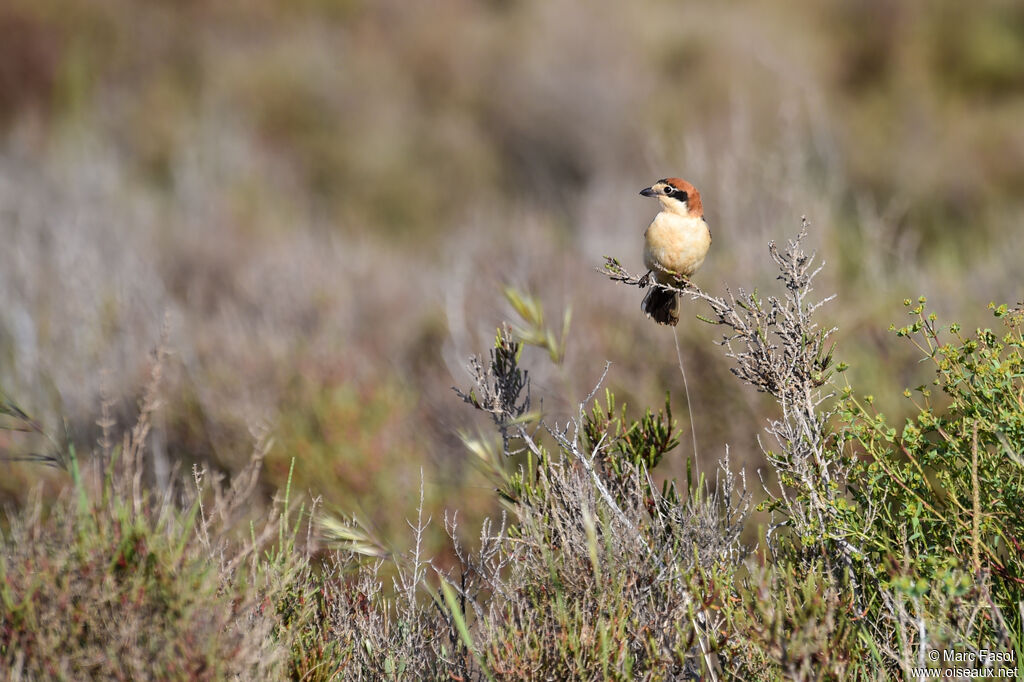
{"x": 675, "y": 244}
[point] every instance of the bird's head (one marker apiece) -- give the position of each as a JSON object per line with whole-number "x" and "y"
{"x": 676, "y": 196}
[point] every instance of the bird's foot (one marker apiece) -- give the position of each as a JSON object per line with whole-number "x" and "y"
{"x": 644, "y": 281}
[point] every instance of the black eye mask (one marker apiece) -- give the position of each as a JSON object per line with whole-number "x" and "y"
{"x": 679, "y": 194}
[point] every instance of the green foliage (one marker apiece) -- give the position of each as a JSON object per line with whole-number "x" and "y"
{"x": 947, "y": 488}
{"x": 642, "y": 443}
{"x": 622, "y": 445}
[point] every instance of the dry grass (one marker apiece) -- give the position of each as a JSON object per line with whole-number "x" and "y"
{"x": 118, "y": 579}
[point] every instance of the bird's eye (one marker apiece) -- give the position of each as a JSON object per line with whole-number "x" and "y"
{"x": 668, "y": 189}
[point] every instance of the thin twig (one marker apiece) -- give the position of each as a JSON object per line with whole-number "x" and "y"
{"x": 689, "y": 405}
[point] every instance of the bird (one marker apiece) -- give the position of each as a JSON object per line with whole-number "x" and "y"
{"x": 675, "y": 244}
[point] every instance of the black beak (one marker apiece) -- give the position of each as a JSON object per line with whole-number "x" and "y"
{"x": 649, "y": 192}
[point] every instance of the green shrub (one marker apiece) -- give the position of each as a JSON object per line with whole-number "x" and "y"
{"x": 940, "y": 498}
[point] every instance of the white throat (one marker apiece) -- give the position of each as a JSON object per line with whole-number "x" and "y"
{"x": 670, "y": 205}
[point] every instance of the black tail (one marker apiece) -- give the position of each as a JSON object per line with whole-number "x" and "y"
{"x": 662, "y": 305}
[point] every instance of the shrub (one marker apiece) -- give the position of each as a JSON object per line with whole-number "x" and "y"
{"x": 883, "y": 544}
{"x": 117, "y": 580}
{"x": 940, "y": 530}
{"x": 594, "y": 572}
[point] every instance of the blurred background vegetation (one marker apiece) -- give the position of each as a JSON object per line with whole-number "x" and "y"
{"x": 321, "y": 201}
